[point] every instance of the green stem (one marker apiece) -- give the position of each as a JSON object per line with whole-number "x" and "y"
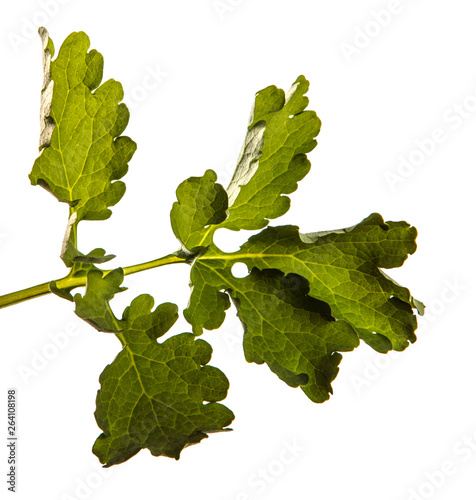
{"x": 28, "y": 293}
{"x": 70, "y": 282}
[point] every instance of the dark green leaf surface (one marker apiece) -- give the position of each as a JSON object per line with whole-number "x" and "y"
{"x": 157, "y": 396}
{"x": 292, "y": 332}
{"x": 343, "y": 271}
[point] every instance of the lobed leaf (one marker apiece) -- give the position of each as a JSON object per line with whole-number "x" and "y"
{"x": 201, "y": 202}
{"x": 273, "y": 158}
{"x": 82, "y": 151}
{"x": 293, "y": 333}
{"x": 94, "y": 306}
{"x": 157, "y": 396}
{"x": 342, "y": 271}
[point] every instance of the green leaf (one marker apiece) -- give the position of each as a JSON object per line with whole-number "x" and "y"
{"x": 157, "y": 396}
{"x": 273, "y": 158}
{"x": 152, "y": 397}
{"x": 96, "y": 256}
{"x": 64, "y": 293}
{"x": 343, "y": 271}
{"x": 94, "y": 306}
{"x": 292, "y": 332}
{"x": 272, "y": 161}
{"x": 83, "y": 154}
{"x": 208, "y": 303}
{"x": 201, "y": 203}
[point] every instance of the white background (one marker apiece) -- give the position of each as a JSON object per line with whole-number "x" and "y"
{"x": 394, "y": 421}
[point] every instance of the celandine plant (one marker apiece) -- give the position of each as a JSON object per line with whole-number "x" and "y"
{"x": 306, "y": 299}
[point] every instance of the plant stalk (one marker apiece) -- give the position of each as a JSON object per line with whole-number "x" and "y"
{"x": 69, "y": 282}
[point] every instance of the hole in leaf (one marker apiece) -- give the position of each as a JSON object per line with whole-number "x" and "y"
{"x": 240, "y": 270}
